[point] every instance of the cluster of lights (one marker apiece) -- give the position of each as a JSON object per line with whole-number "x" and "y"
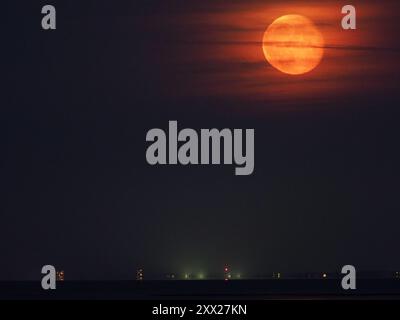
{"x": 227, "y": 274}
{"x": 200, "y": 276}
{"x": 60, "y": 275}
{"x": 139, "y": 274}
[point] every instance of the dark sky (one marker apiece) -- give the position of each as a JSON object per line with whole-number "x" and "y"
{"x": 77, "y": 104}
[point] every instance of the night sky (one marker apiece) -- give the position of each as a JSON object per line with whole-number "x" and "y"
{"x": 77, "y": 103}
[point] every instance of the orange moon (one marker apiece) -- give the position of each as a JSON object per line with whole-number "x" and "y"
{"x": 293, "y": 44}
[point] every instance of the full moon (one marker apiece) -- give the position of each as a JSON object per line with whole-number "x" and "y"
{"x": 293, "y": 44}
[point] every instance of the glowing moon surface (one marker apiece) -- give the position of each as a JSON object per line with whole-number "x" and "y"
{"x": 293, "y": 44}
